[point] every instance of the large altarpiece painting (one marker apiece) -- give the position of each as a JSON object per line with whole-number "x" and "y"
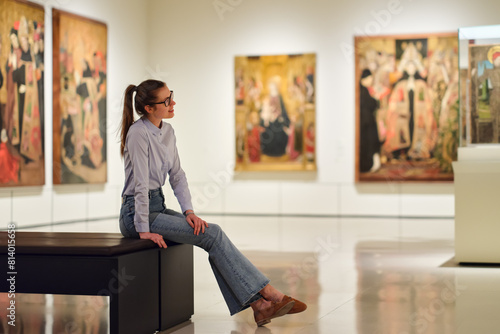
{"x": 79, "y": 122}
{"x": 407, "y": 107}
{"x": 22, "y": 159}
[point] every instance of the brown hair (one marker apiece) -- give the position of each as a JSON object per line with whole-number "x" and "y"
{"x": 145, "y": 95}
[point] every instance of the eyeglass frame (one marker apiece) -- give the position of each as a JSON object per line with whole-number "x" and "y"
{"x": 170, "y": 99}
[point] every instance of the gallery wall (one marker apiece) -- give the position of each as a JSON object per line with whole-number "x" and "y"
{"x": 127, "y": 63}
{"x": 192, "y": 47}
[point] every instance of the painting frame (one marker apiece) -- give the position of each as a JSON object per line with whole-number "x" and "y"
{"x": 79, "y": 99}
{"x": 22, "y": 103}
{"x": 406, "y": 108}
{"x": 275, "y": 112}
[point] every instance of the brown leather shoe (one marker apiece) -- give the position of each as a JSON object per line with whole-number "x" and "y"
{"x": 277, "y": 309}
{"x": 297, "y": 307}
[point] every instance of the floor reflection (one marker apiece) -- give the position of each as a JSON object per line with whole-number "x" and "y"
{"x": 55, "y": 314}
{"x": 374, "y": 276}
{"x": 296, "y": 273}
{"x": 398, "y": 293}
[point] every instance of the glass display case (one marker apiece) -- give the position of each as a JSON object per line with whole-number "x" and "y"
{"x": 479, "y": 70}
{"x": 477, "y": 169}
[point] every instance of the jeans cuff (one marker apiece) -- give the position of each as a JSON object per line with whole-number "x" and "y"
{"x": 256, "y": 297}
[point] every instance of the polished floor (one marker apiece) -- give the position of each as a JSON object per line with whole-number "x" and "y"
{"x": 366, "y": 276}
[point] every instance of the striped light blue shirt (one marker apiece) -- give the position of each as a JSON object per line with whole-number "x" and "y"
{"x": 150, "y": 156}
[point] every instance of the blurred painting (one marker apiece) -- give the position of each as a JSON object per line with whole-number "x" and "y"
{"x": 275, "y": 113}
{"x": 22, "y": 161}
{"x": 484, "y": 74}
{"x": 464, "y": 122}
{"x": 407, "y": 107}
{"x": 79, "y": 122}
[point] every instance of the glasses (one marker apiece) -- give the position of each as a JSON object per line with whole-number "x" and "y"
{"x": 168, "y": 100}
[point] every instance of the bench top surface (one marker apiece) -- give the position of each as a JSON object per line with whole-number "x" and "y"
{"x": 63, "y": 243}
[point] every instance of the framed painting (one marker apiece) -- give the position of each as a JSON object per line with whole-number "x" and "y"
{"x": 79, "y": 121}
{"x": 407, "y": 107}
{"x": 275, "y": 113}
{"x": 22, "y": 158}
{"x": 484, "y": 93}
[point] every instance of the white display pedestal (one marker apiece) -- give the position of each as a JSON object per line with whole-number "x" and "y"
{"x": 477, "y": 204}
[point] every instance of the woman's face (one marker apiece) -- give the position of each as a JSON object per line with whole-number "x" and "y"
{"x": 160, "y": 111}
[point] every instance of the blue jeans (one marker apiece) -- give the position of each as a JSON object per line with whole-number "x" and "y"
{"x": 238, "y": 279}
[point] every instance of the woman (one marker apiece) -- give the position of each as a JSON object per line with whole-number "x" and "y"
{"x": 148, "y": 147}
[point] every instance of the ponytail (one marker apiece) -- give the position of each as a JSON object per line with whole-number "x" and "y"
{"x": 146, "y": 94}
{"x": 128, "y": 115}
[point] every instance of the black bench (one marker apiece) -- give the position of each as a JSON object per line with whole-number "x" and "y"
{"x": 150, "y": 288}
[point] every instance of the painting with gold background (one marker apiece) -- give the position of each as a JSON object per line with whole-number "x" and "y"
{"x": 79, "y": 122}
{"x": 275, "y": 113}
{"x": 407, "y": 107}
{"x": 22, "y": 158}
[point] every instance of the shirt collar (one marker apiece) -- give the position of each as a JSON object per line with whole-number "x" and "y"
{"x": 153, "y": 128}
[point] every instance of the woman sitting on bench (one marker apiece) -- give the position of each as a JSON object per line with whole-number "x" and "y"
{"x": 148, "y": 147}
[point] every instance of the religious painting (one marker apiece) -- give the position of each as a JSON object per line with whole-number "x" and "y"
{"x": 407, "y": 107}
{"x": 22, "y": 159}
{"x": 484, "y": 93}
{"x": 275, "y": 113}
{"x": 79, "y": 122}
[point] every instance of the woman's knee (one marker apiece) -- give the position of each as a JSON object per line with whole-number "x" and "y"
{"x": 214, "y": 229}
{"x": 212, "y": 233}
{"x": 210, "y": 237}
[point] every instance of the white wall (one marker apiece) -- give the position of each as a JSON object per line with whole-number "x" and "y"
{"x": 127, "y": 63}
{"x": 192, "y": 47}
{"x": 196, "y": 45}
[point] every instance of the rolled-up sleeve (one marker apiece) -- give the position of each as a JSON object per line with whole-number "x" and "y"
{"x": 138, "y": 150}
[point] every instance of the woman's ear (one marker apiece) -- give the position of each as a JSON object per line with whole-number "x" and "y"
{"x": 149, "y": 109}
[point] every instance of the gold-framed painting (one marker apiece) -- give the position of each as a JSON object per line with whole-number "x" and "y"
{"x": 484, "y": 93}
{"x": 407, "y": 107}
{"x": 22, "y": 158}
{"x": 275, "y": 112}
{"x": 79, "y": 111}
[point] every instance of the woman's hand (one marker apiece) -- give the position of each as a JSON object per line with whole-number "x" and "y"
{"x": 155, "y": 237}
{"x": 196, "y": 223}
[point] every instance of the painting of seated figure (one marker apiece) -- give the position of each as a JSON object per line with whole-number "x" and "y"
{"x": 275, "y": 113}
